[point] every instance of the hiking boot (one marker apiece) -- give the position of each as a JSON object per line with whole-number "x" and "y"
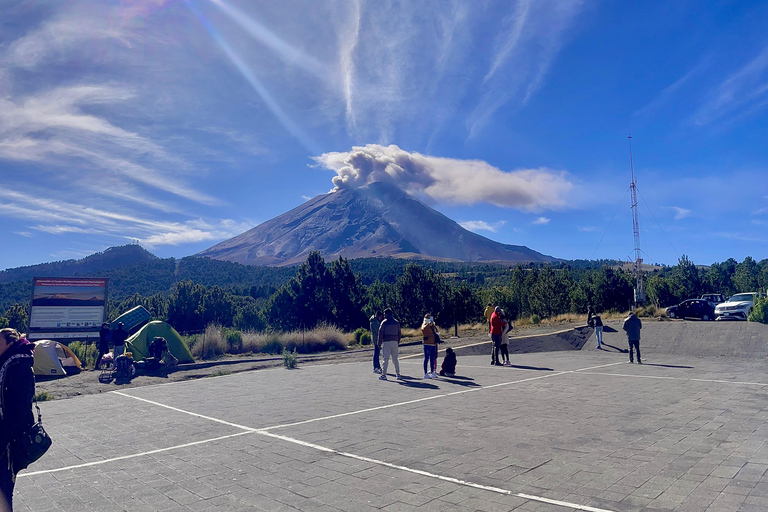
{"x": 383, "y": 377}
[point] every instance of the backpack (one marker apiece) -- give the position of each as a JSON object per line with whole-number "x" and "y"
{"x": 123, "y": 368}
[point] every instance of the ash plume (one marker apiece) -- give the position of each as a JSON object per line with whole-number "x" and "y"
{"x": 447, "y": 179}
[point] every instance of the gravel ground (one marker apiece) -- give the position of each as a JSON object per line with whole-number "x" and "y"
{"x": 87, "y": 382}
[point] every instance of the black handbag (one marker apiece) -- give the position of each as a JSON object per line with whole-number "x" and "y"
{"x": 31, "y": 444}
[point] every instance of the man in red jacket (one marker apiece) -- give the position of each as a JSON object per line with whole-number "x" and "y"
{"x": 496, "y": 331}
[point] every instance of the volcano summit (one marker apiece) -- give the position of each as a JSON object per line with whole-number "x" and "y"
{"x": 377, "y": 220}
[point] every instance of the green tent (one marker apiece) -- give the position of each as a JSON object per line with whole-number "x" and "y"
{"x": 139, "y": 342}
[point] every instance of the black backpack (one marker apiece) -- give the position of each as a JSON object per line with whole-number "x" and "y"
{"x": 123, "y": 368}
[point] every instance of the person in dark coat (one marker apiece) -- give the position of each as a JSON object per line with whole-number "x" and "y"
{"x": 597, "y": 323}
{"x": 118, "y": 339}
{"x": 448, "y": 369}
{"x": 632, "y": 326}
{"x": 17, "y": 388}
{"x": 105, "y": 334}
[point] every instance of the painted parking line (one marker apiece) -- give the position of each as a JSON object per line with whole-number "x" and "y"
{"x": 132, "y": 456}
{"x": 662, "y": 377}
{"x": 490, "y": 341}
{"x": 456, "y": 481}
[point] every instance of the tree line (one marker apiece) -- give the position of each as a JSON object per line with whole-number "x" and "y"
{"x": 335, "y": 293}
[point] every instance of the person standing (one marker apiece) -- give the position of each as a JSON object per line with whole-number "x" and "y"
{"x": 487, "y": 314}
{"x": 597, "y": 323}
{"x": 496, "y": 330}
{"x": 375, "y": 321}
{"x": 429, "y": 338}
{"x": 105, "y": 334}
{"x": 389, "y": 339}
{"x": 506, "y": 326}
{"x": 118, "y": 338}
{"x": 632, "y": 326}
{"x": 17, "y": 389}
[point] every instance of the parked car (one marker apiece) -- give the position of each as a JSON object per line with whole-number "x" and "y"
{"x": 693, "y": 308}
{"x": 739, "y": 306}
{"x": 714, "y": 298}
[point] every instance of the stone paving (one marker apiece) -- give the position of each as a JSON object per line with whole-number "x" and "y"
{"x": 559, "y": 431}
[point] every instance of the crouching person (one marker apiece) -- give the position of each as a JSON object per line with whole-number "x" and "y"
{"x": 448, "y": 368}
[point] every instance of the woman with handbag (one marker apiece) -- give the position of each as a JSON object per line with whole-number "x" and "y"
{"x": 430, "y": 338}
{"x": 17, "y": 389}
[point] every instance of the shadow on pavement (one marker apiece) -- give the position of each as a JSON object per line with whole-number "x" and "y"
{"x": 617, "y": 349}
{"x": 667, "y": 365}
{"x": 521, "y": 367}
{"x": 466, "y": 383}
{"x": 411, "y": 382}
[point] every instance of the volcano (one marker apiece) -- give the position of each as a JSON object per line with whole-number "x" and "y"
{"x": 377, "y": 220}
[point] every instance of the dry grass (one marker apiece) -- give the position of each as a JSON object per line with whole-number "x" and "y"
{"x": 218, "y": 341}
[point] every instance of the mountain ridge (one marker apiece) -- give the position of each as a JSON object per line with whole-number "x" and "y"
{"x": 378, "y": 220}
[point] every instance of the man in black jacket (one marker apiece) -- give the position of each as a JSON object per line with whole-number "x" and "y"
{"x": 17, "y": 388}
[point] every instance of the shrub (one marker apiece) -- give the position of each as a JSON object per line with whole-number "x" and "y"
{"x": 759, "y": 312}
{"x": 234, "y": 340}
{"x": 359, "y": 333}
{"x": 535, "y": 319}
{"x": 43, "y": 396}
{"x": 289, "y": 358}
{"x": 365, "y": 339}
{"x": 85, "y": 352}
{"x": 647, "y": 311}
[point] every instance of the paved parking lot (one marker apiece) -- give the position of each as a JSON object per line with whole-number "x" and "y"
{"x": 580, "y": 430}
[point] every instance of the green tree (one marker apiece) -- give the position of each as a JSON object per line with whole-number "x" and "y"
{"x": 216, "y": 307}
{"x": 686, "y": 281}
{"x": 249, "y": 317}
{"x": 184, "y": 306}
{"x": 347, "y": 296}
{"x": 17, "y": 317}
{"x": 549, "y": 293}
{"x": 745, "y": 278}
{"x": 419, "y": 291}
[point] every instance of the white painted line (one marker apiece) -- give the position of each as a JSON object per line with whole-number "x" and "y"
{"x": 491, "y": 341}
{"x": 661, "y": 377}
{"x": 243, "y": 427}
{"x": 457, "y": 481}
{"x": 133, "y": 456}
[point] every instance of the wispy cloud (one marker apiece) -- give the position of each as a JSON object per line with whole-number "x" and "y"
{"x": 57, "y": 217}
{"x": 541, "y": 220}
{"x": 449, "y": 180}
{"x": 534, "y": 34}
{"x": 680, "y": 213}
{"x": 741, "y": 94}
{"x": 587, "y": 229}
{"x": 25, "y": 234}
{"x": 481, "y": 225}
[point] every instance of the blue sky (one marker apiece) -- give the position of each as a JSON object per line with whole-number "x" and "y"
{"x": 183, "y": 123}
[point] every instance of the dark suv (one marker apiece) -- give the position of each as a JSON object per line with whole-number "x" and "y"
{"x": 693, "y": 308}
{"x": 714, "y": 298}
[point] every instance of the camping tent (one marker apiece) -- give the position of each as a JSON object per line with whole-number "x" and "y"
{"x": 51, "y": 358}
{"x": 139, "y": 342}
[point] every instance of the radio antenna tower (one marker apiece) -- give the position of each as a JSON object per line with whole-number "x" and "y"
{"x": 639, "y": 290}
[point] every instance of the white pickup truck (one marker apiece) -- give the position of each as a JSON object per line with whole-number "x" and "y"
{"x": 738, "y": 307}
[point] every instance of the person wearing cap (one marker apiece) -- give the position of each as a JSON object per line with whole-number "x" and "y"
{"x": 632, "y": 326}
{"x": 118, "y": 338}
{"x": 496, "y": 331}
